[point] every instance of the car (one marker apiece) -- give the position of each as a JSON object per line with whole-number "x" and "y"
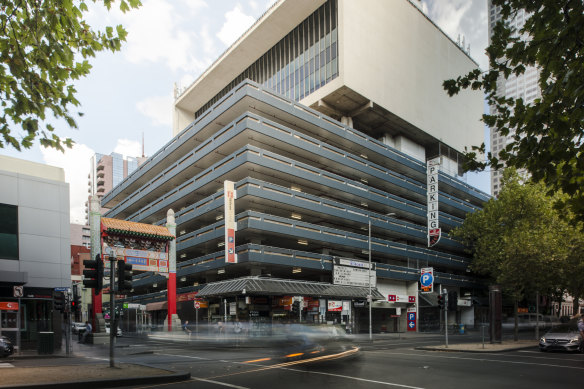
{"x": 564, "y": 337}
{"x": 107, "y": 330}
{"x": 78, "y": 327}
{"x": 6, "y": 348}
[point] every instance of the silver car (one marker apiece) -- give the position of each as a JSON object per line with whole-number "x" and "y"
{"x": 564, "y": 337}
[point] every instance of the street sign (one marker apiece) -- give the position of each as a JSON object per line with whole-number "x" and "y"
{"x": 411, "y": 321}
{"x": 197, "y": 305}
{"x": 62, "y": 289}
{"x": 427, "y": 280}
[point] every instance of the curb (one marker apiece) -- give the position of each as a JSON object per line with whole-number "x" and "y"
{"x": 108, "y": 383}
{"x": 477, "y": 351}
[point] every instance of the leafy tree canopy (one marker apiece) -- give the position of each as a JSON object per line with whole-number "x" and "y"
{"x": 547, "y": 135}
{"x": 44, "y": 47}
{"x": 520, "y": 239}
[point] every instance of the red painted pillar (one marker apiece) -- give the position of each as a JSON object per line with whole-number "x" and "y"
{"x": 171, "y": 298}
{"x": 171, "y": 252}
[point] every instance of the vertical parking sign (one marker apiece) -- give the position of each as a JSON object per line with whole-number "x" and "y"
{"x": 411, "y": 319}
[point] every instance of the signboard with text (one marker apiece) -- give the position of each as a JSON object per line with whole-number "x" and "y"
{"x": 353, "y": 273}
{"x": 434, "y": 231}
{"x": 229, "y": 205}
{"x": 427, "y": 279}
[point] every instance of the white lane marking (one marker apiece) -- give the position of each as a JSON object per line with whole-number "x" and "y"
{"x": 355, "y": 378}
{"x": 184, "y": 356}
{"x": 219, "y": 383}
{"x": 6, "y": 364}
{"x": 428, "y": 354}
{"x": 548, "y": 356}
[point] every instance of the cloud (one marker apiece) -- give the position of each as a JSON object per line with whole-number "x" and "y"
{"x": 465, "y": 18}
{"x": 160, "y": 31}
{"x": 128, "y": 148}
{"x": 236, "y": 23}
{"x": 158, "y": 109}
{"x": 76, "y": 163}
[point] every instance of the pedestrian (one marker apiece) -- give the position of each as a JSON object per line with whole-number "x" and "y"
{"x": 186, "y": 328}
{"x": 581, "y": 329}
{"x": 88, "y": 330}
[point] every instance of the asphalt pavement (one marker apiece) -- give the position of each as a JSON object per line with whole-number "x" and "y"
{"x": 96, "y": 355}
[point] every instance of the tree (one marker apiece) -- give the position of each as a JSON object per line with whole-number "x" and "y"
{"x": 44, "y": 47}
{"x": 519, "y": 240}
{"x": 548, "y": 135}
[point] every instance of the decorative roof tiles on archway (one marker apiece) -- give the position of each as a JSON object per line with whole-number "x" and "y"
{"x": 115, "y": 227}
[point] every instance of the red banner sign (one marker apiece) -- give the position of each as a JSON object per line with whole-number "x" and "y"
{"x": 8, "y": 306}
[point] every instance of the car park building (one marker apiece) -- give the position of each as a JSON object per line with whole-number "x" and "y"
{"x": 323, "y": 114}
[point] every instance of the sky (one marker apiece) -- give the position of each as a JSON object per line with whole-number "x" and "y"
{"x": 128, "y": 95}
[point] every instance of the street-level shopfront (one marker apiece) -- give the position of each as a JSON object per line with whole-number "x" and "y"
{"x": 261, "y": 302}
{"x": 37, "y": 315}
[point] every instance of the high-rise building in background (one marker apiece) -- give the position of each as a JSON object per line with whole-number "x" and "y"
{"x": 524, "y": 86}
{"x": 107, "y": 171}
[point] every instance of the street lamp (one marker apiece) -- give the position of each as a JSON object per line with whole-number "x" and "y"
{"x": 369, "y": 297}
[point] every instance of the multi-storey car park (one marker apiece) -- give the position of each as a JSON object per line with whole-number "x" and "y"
{"x": 326, "y": 164}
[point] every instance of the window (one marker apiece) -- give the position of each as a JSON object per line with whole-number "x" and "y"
{"x": 8, "y": 231}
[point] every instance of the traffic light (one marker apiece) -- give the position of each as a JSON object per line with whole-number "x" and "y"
{"x": 296, "y": 307}
{"x": 441, "y": 301}
{"x": 76, "y": 302}
{"x": 59, "y": 301}
{"x": 93, "y": 274}
{"x": 124, "y": 275}
{"x": 452, "y": 300}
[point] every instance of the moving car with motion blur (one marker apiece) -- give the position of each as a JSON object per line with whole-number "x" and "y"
{"x": 563, "y": 337}
{"x": 6, "y": 348}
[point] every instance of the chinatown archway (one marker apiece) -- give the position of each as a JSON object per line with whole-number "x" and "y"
{"x": 146, "y": 247}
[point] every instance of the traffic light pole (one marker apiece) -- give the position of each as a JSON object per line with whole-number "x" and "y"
{"x": 446, "y": 316}
{"x": 113, "y": 330}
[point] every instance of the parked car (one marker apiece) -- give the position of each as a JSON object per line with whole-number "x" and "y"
{"x": 564, "y": 337}
{"x": 107, "y": 330}
{"x": 6, "y": 348}
{"x": 78, "y": 327}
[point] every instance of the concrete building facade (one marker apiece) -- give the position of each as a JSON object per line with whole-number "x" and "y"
{"x": 35, "y": 245}
{"x": 323, "y": 114}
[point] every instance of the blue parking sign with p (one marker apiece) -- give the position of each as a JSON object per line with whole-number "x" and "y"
{"x": 411, "y": 315}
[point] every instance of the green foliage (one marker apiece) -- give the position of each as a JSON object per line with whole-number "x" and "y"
{"x": 521, "y": 241}
{"x": 548, "y": 135}
{"x": 44, "y": 47}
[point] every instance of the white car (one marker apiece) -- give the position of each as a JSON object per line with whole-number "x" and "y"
{"x": 107, "y": 330}
{"x": 78, "y": 327}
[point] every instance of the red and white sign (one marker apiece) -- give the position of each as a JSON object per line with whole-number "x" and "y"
{"x": 394, "y": 298}
{"x": 8, "y": 306}
{"x": 335, "y": 306}
{"x": 229, "y": 196}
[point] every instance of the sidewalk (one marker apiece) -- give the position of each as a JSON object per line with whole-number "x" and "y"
{"x": 483, "y": 347}
{"x": 85, "y": 368}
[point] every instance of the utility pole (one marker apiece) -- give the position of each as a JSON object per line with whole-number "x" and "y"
{"x": 445, "y": 293}
{"x": 113, "y": 331}
{"x": 369, "y": 296}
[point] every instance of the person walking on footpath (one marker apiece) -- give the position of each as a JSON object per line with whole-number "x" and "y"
{"x": 88, "y": 330}
{"x": 186, "y": 328}
{"x": 581, "y": 330}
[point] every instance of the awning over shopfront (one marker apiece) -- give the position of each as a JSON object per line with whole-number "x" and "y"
{"x": 279, "y": 287}
{"x": 156, "y": 306}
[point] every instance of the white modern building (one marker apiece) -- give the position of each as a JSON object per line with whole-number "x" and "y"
{"x": 323, "y": 114}
{"x": 35, "y": 250}
{"x": 524, "y": 86}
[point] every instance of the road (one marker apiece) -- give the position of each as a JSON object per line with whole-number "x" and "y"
{"x": 389, "y": 363}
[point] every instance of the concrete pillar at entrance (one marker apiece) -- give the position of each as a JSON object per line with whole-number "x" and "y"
{"x": 171, "y": 286}
{"x": 98, "y": 322}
